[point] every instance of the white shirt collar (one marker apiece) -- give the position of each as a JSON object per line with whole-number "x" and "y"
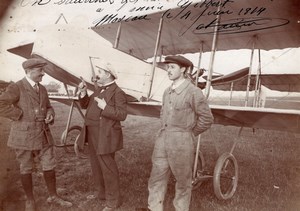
{"x": 32, "y": 83}
{"x": 109, "y": 83}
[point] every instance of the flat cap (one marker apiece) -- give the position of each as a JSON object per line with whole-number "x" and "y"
{"x": 180, "y": 60}
{"x": 106, "y": 66}
{"x": 33, "y": 62}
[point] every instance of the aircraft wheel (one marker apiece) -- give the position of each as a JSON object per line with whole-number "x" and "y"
{"x": 199, "y": 171}
{"x": 225, "y": 177}
{"x": 72, "y": 135}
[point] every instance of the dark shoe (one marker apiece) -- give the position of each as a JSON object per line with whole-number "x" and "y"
{"x": 142, "y": 209}
{"x": 29, "y": 205}
{"x": 59, "y": 201}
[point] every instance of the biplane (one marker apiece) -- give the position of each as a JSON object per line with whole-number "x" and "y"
{"x": 205, "y": 26}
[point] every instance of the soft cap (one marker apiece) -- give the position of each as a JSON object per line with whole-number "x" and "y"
{"x": 33, "y": 62}
{"x": 180, "y": 60}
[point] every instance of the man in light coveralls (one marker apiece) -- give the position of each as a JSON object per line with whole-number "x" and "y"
{"x": 184, "y": 115}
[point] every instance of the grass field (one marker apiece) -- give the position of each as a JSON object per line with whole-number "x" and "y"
{"x": 269, "y": 170}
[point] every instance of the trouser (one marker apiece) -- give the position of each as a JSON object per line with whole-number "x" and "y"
{"x": 47, "y": 159}
{"x": 45, "y": 156}
{"x": 105, "y": 172}
{"x": 173, "y": 152}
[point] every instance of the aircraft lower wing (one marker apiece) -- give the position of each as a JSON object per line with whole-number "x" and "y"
{"x": 263, "y": 118}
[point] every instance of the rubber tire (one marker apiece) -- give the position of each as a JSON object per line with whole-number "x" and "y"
{"x": 218, "y": 174}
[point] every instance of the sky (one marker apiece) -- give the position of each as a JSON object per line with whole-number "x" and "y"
{"x": 24, "y": 17}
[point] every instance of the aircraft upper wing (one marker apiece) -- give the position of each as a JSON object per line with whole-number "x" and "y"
{"x": 281, "y": 82}
{"x": 244, "y": 24}
{"x": 278, "y": 82}
{"x": 264, "y": 24}
{"x": 223, "y": 82}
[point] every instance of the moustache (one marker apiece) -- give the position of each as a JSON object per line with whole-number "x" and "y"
{"x": 95, "y": 78}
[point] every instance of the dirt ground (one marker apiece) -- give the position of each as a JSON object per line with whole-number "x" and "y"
{"x": 269, "y": 169}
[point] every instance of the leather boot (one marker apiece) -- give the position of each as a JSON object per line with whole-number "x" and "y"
{"x": 50, "y": 180}
{"x": 26, "y": 180}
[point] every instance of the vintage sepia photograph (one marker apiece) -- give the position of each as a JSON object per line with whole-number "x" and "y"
{"x": 149, "y": 105}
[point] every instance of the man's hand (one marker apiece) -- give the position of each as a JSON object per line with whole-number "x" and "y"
{"x": 101, "y": 102}
{"x": 82, "y": 87}
{"x": 49, "y": 118}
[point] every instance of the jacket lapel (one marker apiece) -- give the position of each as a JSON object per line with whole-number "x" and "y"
{"x": 110, "y": 91}
{"x": 30, "y": 91}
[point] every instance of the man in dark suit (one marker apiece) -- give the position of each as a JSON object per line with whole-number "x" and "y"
{"x": 26, "y": 102}
{"x": 106, "y": 107}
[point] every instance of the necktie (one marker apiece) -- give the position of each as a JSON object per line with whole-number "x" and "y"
{"x": 36, "y": 88}
{"x": 103, "y": 88}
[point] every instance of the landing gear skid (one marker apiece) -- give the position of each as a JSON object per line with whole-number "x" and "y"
{"x": 69, "y": 138}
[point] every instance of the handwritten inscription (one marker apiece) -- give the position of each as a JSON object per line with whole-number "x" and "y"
{"x": 240, "y": 25}
{"x": 60, "y": 2}
{"x": 199, "y": 18}
{"x": 113, "y": 18}
{"x": 202, "y": 18}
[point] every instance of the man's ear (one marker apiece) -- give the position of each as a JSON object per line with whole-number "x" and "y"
{"x": 183, "y": 70}
{"x": 111, "y": 76}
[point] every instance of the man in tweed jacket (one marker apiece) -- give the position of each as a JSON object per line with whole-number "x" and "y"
{"x": 27, "y": 104}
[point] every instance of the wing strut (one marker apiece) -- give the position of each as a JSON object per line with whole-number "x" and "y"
{"x": 155, "y": 55}
{"x": 249, "y": 74}
{"x": 116, "y": 45}
{"x": 213, "y": 52}
{"x": 257, "y": 82}
{"x": 231, "y": 91}
{"x": 93, "y": 71}
{"x": 199, "y": 63}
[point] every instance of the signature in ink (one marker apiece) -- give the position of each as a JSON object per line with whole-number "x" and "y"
{"x": 239, "y": 25}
